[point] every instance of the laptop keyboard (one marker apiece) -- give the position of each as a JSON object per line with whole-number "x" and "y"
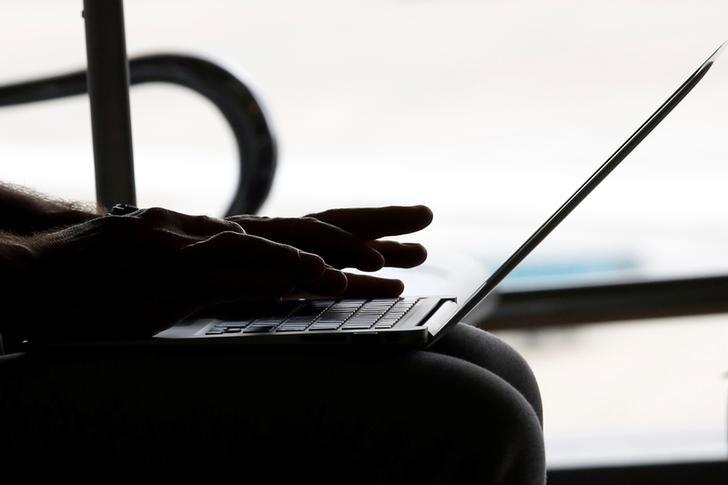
{"x": 323, "y": 315}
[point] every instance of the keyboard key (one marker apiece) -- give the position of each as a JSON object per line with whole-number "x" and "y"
{"x": 312, "y": 308}
{"x": 236, "y": 323}
{"x": 233, "y": 330}
{"x": 290, "y": 329}
{"x": 357, "y": 326}
{"x": 386, "y": 322}
{"x": 395, "y": 313}
{"x": 360, "y": 322}
{"x": 298, "y": 322}
{"x": 315, "y": 311}
{"x": 266, "y": 321}
{"x": 304, "y": 316}
{"x": 336, "y": 315}
{"x": 260, "y": 328}
{"x": 320, "y": 328}
{"x": 368, "y": 314}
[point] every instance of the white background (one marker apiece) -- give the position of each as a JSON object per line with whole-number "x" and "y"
{"x": 491, "y": 112}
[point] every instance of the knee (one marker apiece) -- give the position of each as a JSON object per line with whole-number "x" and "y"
{"x": 491, "y": 433}
{"x": 492, "y": 354}
{"x": 515, "y": 370}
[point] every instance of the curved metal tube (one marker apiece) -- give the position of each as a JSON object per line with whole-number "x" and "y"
{"x": 243, "y": 112}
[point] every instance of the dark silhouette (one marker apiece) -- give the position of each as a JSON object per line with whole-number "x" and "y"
{"x": 467, "y": 410}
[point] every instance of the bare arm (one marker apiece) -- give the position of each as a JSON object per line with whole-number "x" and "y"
{"x": 24, "y": 212}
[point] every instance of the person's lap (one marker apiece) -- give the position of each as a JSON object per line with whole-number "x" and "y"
{"x": 466, "y": 410}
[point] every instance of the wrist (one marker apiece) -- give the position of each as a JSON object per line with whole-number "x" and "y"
{"x": 69, "y": 216}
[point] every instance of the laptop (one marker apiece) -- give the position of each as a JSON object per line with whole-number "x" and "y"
{"x": 410, "y": 321}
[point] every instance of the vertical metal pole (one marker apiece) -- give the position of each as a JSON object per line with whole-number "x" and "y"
{"x": 108, "y": 89}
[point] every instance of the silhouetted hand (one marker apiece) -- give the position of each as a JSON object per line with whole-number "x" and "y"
{"x": 132, "y": 276}
{"x": 351, "y": 238}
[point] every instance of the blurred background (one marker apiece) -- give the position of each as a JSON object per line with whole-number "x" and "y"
{"x": 490, "y": 112}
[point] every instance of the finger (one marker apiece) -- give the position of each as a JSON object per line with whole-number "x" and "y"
{"x": 332, "y": 283}
{"x": 216, "y": 286}
{"x": 221, "y": 286}
{"x": 245, "y": 253}
{"x": 184, "y": 293}
{"x": 400, "y": 255}
{"x": 373, "y": 223}
{"x": 225, "y": 287}
{"x": 338, "y": 247}
{"x": 366, "y": 286}
{"x": 245, "y": 307}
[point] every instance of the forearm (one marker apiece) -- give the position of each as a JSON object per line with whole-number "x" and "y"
{"x": 24, "y": 212}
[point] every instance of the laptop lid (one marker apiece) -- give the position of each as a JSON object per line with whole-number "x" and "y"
{"x": 587, "y": 187}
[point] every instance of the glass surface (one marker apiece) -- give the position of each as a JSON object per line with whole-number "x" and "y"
{"x": 492, "y": 113}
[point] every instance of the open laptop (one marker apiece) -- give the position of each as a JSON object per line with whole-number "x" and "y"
{"x": 414, "y": 321}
